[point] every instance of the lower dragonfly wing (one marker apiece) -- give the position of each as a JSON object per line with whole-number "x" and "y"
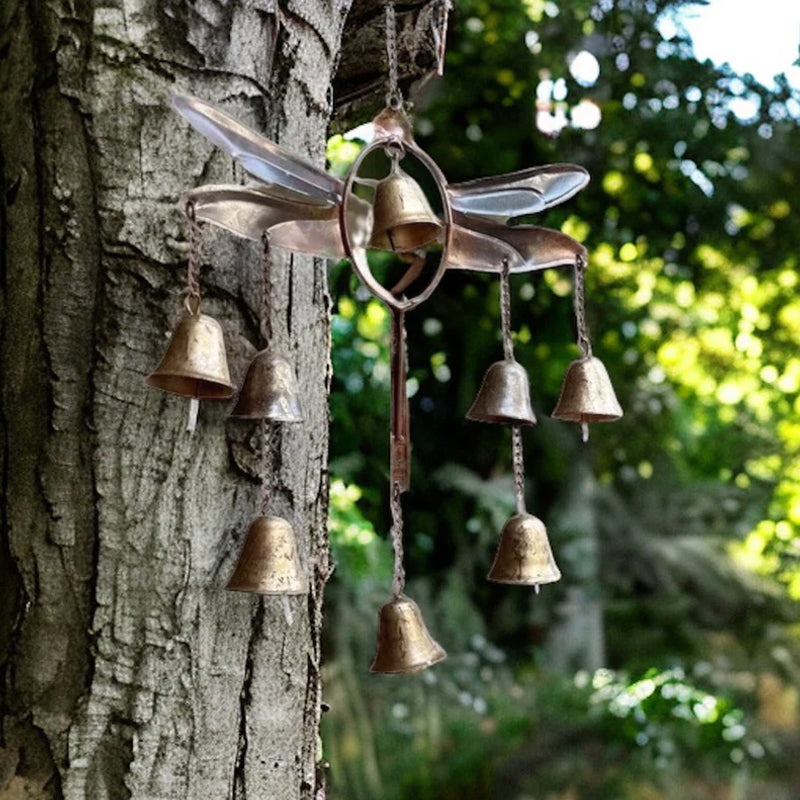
{"x": 260, "y": 157}
{"x": 249, "y": 211}
{"x": 503, "y": 197}
{"x": 484, "y": 247}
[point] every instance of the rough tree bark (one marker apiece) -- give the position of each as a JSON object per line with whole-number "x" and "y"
{"x": 125, "y": 669}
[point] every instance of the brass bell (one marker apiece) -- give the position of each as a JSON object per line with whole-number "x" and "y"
{"x": 269, "y": 390}
{"x": 404, "y": 219}
{"x": 587, "y": 394}
{"x": 524, "y": 555}
{"x": 404, "y": 644}
{"x": 269, "y": 563}
{"x": 504, "y": 396}
{"x": 195, "y": 364}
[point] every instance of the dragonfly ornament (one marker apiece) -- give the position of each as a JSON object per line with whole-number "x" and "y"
{"x": 307, "y": 210}
{"x": 293, "y": 205}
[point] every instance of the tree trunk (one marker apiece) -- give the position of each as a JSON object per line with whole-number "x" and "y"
{"x": 127, "y": 670}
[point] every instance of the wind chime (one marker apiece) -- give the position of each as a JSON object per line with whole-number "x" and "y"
{"x": 296, "y": 206}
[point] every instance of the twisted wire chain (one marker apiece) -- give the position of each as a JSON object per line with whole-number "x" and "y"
{"x": 193, "y": 266}
{"x": 440, "y": 35}
{"x": 505, "y": 312}
{"x": 394, "y": 97}
{"x": 399, "y": 572}
{"x": 519, "y": 468}
{"x": 266, "y": 288}
{"x": 267, "y": 462}
{"x": 579, "y": 302}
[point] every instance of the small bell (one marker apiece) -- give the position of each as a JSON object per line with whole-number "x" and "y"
{"x": 524, "y": 555}
{"x": 404, "y": 644}
{"x": 269, "y": 390}
{"x": 195, "y": 364}
{"x": 504, "y": 396}
{"x": 269, "y": 563}
{"x": 404, "y": 219}
{"x": 587, "y": 394}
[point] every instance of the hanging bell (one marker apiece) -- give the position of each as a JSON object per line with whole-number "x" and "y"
{"x": 524, "y": 555}
{"x": 404, "y": 219}
{"x": 195, "y": 364}
{"x": 269, "y": 390}
{"x": 268, "y": 563}
{"x": 404, "y": 644}
{"x": 504, "y": 396}
{"x": 587, "y": 394}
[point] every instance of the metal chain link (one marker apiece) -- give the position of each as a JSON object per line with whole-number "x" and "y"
{"x": 440, "y": 35}
{"x": 579, "y": 301}
{"x": 394, "y": 97}
{"x": 519, "y": 468}
{"x": 399, "y": 573}
{"x": 266, "y": 288}
{"x": 193, "y": 267}
{"x": 505, "y": 312}
{"x": 267, "y": 463}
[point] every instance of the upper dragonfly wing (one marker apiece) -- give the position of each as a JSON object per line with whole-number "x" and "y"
{"x": 259, "y": 156}
{"x": 484, "y": 246}
{"x": 503, "y": 197}
{"x": 249, "y": 211}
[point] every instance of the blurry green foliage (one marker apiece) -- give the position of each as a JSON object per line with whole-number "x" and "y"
{"x": 687, "y": 535}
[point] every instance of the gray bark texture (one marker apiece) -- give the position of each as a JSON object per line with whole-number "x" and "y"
{"x": 126, "y": 670}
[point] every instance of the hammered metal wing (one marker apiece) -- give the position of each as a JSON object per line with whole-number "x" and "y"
{"x": 504, "y": 197}
{"x": 260, "y": 157}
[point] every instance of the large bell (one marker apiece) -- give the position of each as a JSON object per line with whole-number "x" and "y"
{"x": 404, "y": 219}
{"x": 524, "y": 555}
{"x": 504, "y": 396}
{"x": 269, "y": 390}
{"x": 195, "y": 364}
{"x": 587, "y": 394}
{"x": 404, "y": 644}
{"x": 269, "y": 563}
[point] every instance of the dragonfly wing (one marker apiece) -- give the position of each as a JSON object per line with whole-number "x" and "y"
{"x": 482, "y": 246}
{"x": 323, "y": 237}
{"x": 503, "y": 197}
{"x": 471, "y": 250}
{"x": 260, "y": 157}
{"x": 250, "y": 210}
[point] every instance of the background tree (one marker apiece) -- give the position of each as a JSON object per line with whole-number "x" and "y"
{"x": 676, "y": 528}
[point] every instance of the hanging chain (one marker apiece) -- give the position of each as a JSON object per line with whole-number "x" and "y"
{"x": 193, "y": 268}
{"x": 399, "y": 573}
{"x": 505, "y": 312}
{"x": 394, "y": 97}
{"x": 519, "y": 468}
{"x": 440, "y": 35}
{"x": 579, "y": 300}
{"x": 267, "y": 462}
{"x": 266, "y": 288}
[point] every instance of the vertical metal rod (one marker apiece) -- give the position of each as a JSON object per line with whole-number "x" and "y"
{"x": 400, "y": 436}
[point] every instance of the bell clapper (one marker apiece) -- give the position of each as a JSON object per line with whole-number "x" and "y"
{"x": 287, "y": 610}
{"x": 537, "y": 587}
{"x": 194, "y": 408}
{"x": 584, "y": 432}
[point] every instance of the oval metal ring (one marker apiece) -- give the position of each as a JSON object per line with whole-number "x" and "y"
{"x": 358, "y": 254}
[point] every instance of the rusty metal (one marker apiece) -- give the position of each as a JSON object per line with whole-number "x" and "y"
{"x": 404, "y": 643}
{"x": 587, "y": 394}
{"x": 195, "y": 364}
{"x": 504, "y": 396}
{"x": 268, "y": 562}
{"x": 403, "y": 217}
{"x": 270, "y": 390}
{"x": 524, "y": 555}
